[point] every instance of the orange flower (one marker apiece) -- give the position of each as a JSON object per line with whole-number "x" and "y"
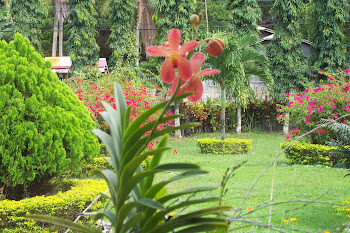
{"x": 215, "y": 47}
{"x": 175, "y": 54}
{"x": 326, "y": 232}
{"x": 194, "y": 84}
{"x": 249, "y": 208}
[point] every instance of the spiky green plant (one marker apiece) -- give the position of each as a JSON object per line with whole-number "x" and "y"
{"x": 139, "y": 203}
{"x": 340, "y": 134}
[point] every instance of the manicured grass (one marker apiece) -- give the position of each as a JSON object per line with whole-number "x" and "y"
{"x": 290, "y": 182}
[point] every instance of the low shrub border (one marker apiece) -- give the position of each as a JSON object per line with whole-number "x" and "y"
{"x": 64, "y": 204}
{"x": 308, "y": 154}
{"x": 227, "y": 146}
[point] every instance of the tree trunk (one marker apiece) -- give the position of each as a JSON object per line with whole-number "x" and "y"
{"x": 138, "y": 26}
{"x": 54, "y": 37}
{"x": 177, "y": 120}
{"x": 239, "y": 120}
{"x": 286, "y": 125}
{"x": 60, "y": 49}
{"x": 222, "y": 114}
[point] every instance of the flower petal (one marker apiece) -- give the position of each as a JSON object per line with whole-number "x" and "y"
{"x": 208, "y": 71}
{"x": 167, "y": 72}
{"x": 215, "y": 47}
{"x": 158, "y": 51}
{"x": 174, "y": 39}
{"x": 197, "y": 61}
{"x": 184, "y": 68}
{"x": 194, "y": 85}
{"x": 188, "y": 46}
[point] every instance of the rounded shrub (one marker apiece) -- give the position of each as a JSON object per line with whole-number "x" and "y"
{"x": 227, "y": 146}
{"x": 44, "y": 128}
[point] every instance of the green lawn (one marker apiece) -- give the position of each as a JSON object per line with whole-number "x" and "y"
{"x": 290, "y": 182}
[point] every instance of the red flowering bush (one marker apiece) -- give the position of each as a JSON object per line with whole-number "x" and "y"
{"x": 136, "y": 95}
{"x": 328, "y": 101}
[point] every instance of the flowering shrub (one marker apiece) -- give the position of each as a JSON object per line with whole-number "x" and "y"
{"x": 136, "y": 95}
{"x": 328, "y": 101}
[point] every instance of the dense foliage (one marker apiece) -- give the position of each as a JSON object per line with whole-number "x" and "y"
{"x": 122, "y": 39}
{"x": 172, "y": 14}
{"x": 340, "y": 134}
{"x": 328, "y": 48}
{"x": 288, "y": 64}
{"x": 245, "y": 15}
{"x": 28, "y": 17}
{"x": 45, "y": 129}
{"x": 81, "y": 43}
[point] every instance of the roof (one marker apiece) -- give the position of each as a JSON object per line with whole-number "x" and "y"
{"x": 269, "y": 38}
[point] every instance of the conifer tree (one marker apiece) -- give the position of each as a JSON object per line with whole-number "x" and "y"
{"x": 81, "y": 43}
{"x": 122, "y": 40}
{"x": 328, "y": 48}
{"x": 288, "y": 64}
{"x": 28, "y": 19}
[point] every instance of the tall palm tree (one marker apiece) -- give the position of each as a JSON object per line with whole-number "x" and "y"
{"x": 60, "y": 12}
{"x": 239, "y": 62}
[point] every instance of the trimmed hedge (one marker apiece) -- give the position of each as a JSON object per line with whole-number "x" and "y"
{"x": 308, "y": 154}
{"x": 227, "y": 146}
{"x": 64, "y": 204}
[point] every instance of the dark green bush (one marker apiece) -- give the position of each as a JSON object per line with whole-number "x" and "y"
{"x": 308, "y": 154}
{"x": 64, "y": 204}
{"x": 44, "y": 128}
{"x": 227, "y": 146}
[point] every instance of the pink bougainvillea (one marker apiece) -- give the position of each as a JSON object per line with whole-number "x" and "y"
{"x": 137, "y": 96}
{"x": 328, "y": 101}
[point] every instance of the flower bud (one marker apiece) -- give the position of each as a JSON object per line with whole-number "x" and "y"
{"x": 194, "y": 19}
{"x": 215, "y": 47}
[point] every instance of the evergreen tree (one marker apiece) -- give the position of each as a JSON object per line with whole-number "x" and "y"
{"x": 328, "y": 49}
{"x": 170, "y": 14}
{"x": 81, "y": 43}
{"x": 28, "y": 19}
{"x": 122, "y": 40}
{"x": 245, "y": 15}
{"x": 288, "y": 63}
